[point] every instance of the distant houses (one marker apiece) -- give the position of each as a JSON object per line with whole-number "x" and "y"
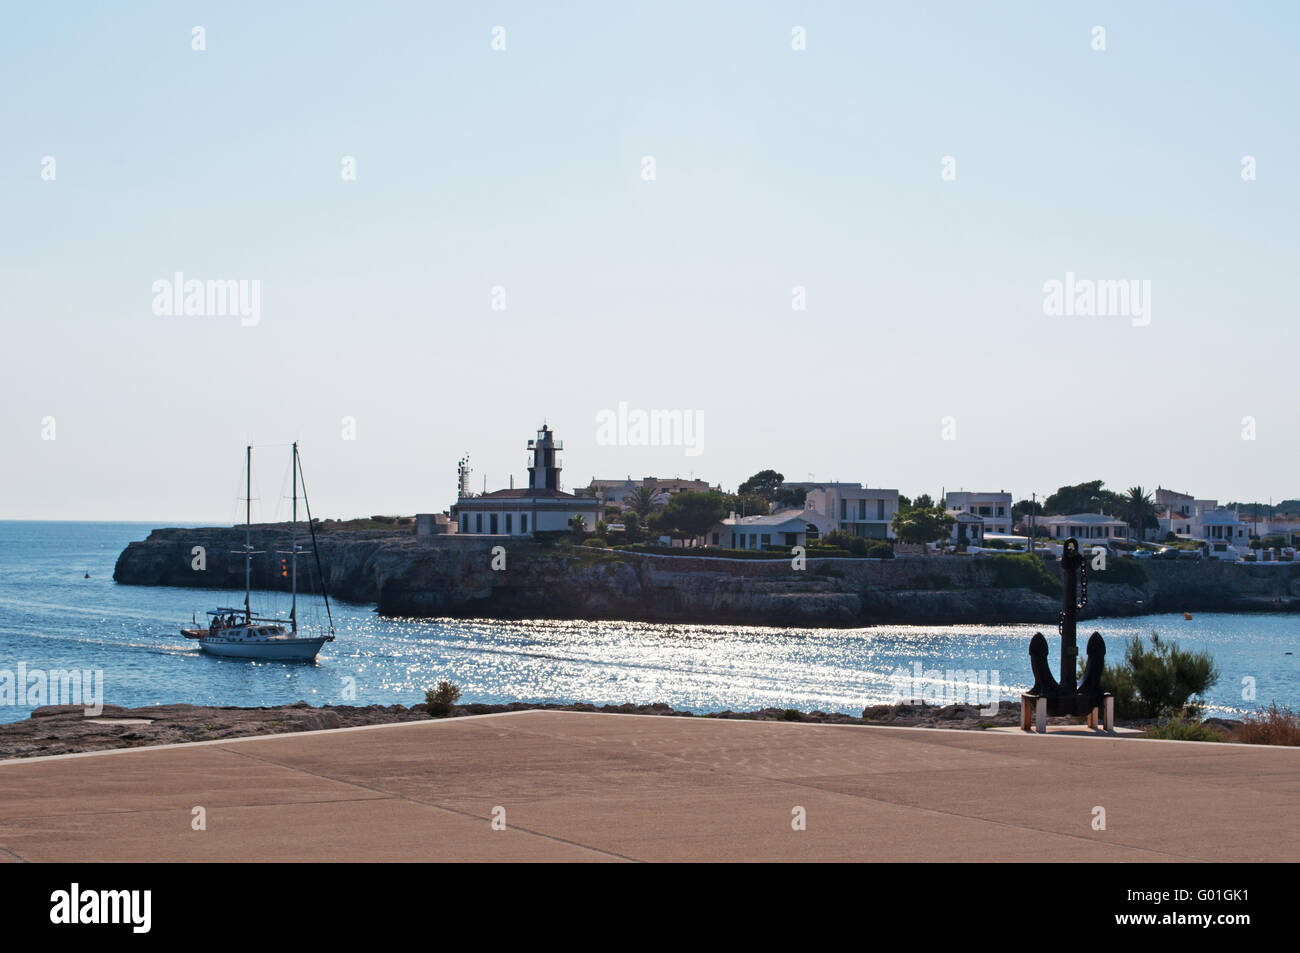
{"x": 622, "y": 493}
{"x": 993, "y": 509}
{"x": 1085, "y": 527}
{"x": 979, "y": 518}
{"x": 853, "y": 509}
{"x": 788, "y": 528}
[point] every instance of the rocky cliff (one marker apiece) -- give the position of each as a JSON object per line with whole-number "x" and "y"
{"x": 406, "y": 575}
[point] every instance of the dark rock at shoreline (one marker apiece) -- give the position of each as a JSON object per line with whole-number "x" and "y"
{"x": 451, "y": 576}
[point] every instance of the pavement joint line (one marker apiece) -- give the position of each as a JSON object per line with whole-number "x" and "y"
{"x": 966, "y": 732}
{"x": 809, "y": 785}
{"x": 389, "y": 795}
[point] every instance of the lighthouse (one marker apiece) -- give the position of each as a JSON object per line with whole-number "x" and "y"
{"x": 539, "y": 507}
{"x": 544, "y": 474}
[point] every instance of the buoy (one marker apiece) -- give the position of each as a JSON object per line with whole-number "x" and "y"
{"x": 1187, "y": 615}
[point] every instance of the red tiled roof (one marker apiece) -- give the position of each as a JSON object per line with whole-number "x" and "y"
{"x": 530, "y": 493}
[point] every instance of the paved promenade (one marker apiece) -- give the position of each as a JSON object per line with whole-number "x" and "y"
{"x": 589, "y": 787}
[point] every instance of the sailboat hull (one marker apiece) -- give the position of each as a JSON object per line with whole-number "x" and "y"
{"x": 275, "y": 650}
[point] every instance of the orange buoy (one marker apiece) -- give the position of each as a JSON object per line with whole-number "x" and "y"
{"x": 1187, "y": 615}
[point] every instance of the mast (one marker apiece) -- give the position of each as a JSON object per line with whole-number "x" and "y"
{"x": 315, "y": 548}
{"x": 293, "y": 544}
{"x": 248, "y": 533}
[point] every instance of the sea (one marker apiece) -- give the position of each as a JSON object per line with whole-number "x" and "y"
{"x": 61, "y": 610}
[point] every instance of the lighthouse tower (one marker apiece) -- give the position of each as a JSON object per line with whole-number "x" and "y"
{"x": 544, "y": 474}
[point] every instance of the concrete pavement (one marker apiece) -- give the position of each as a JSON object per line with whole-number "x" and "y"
{"x": 592, "y": 787}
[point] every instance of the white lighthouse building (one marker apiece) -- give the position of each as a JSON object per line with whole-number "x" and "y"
{"x": 539, "y": 507}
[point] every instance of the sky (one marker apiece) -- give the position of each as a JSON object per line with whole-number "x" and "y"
{"x": 505, "y": 254}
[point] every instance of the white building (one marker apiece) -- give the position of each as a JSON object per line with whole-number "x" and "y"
{"x": 621, "y": 493}
{"x": 1085, "y": 527}
{"x": 1224, "y": 533}
{"x": 993, "y": 508}
{"x": 854, "y": 509}
{"x": 967, "y": 526}
{"x": 539, "y": 507}
{"x": 787, "y": 528}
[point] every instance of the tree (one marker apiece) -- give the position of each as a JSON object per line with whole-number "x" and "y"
{"x": 765, "y": 483}
{"x": 643, "y": 501}
{"x": 1081, "y": 498}
{"x": 748, "y": 504}
{"x": 922, "y": 524}
{"x": 1139, "y": 511}
{"x": 579, "y": 525}
{"x": 632, "y": 530}
{"x": 690, "y": 514}
{"x": 1162, "y": 680}
{"x": 789, "y": 498}
{"x": 1025, "y": 508}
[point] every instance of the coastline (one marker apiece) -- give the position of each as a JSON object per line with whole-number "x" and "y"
{"x": 405, "y": 575}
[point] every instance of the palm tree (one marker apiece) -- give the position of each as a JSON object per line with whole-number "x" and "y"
{"x": 579, "y": 525}
{"x": 1139, "y": 510}
{"x": 643, "y": 501}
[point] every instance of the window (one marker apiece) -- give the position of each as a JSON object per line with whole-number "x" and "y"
{"x": 523, "y": 522}
{"x": 766, "y": 540}
{"x": 844, "y": 505}
{"x": 862, "y": 509}
{"x": 715, "y": 538}
{"x": 509, "y": 519}
{"x": 492, "y": 523}
{"x": 464, "y": 522}
{"x": 880, "y": 509}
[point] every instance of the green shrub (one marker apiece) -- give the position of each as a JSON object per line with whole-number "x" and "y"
{"x": 880, "y": 549}
{"x": 549, "y": 537}
{"x": 827, "y": 552}
{"x": 1119, "y": 572}
{"x": 1023, "y": 571}
{"x": 442, "y": 699}
{"x": 837, "y": 538}
{"x": 596, "y": 541}
{"x": 1160, "y": 681}
{"x": 792, "y": 714}
{"x": 1183, "y": 729}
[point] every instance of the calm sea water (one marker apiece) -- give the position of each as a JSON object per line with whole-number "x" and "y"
{"x": 52, "y": 617}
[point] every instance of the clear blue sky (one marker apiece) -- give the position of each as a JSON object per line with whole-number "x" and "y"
{"x": 522, "y": 169}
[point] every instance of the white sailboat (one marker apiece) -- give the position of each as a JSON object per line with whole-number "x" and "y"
{"x": 237, "y": 633}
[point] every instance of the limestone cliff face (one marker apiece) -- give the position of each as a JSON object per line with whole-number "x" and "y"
{"x": 453, "y": 576}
